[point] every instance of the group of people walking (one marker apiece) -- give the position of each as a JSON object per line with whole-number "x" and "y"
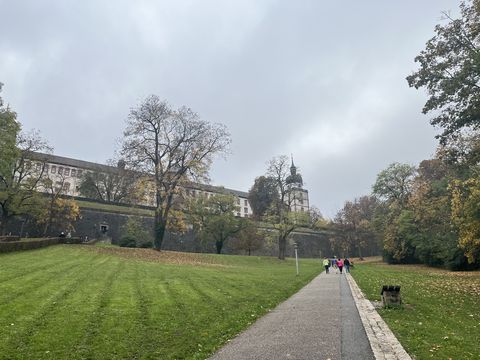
{"x": 337, "y": 265}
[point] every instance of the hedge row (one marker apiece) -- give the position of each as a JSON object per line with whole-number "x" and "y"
{"x": 7, "y": 238}
{"x": 29, "y": 244}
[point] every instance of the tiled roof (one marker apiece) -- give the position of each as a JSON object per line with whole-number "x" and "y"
{"x": 218, "y": 189}
{"x": 61, "y": 160}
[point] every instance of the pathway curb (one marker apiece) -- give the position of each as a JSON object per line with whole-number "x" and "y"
{"x": 384, "y": 344}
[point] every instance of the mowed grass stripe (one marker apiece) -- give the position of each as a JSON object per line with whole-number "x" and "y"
{"x": 77, "y": 316}
{"x": 36, "y": 281}
{"x": 176, "y": 316}
{"x": 144, "y": 338}
{"x": 34, "y": 312}
{"x": 115, "y": 307}
{"x": 86, "y": 350}
{"x": 25, "y": 265}
{"x": 20, "y": 309}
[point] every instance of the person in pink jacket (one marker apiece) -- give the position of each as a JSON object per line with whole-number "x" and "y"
{"x": 340, "y": 265}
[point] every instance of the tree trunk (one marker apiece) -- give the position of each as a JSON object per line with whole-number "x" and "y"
{"x": 3, "y": 224}
{"x": 219, "y": 245}
{"x": 45, "y": 229}
{"x": 48, "y": 223}
{"x": 160, "y": 227}
{"x": 360, "y": 252}
{"x": 282, "y": 246}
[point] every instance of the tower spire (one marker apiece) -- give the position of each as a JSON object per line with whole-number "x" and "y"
{"x": 293, "y": 168}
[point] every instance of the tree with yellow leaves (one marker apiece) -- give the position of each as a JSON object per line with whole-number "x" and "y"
{"x": 466, "y": 215}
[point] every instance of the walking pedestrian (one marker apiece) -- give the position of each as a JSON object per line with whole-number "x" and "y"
{"x": 340, "y": 265}
{"x": 346, "y": 263}
{"x": 326, "y": 264}
{"x": 334, "y": 264}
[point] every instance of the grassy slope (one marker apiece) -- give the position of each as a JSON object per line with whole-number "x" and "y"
{"x": 115, "y": 208}
{"x": 441, "y": 316}
{"x": 73, "y": 301}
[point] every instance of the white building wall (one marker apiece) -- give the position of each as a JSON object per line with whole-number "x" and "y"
{"x": 71, "y": 176}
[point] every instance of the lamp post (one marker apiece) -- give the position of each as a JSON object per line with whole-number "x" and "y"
{"x": 295, "y": 246}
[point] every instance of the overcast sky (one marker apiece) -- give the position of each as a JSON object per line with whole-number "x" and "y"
{"x": 322, "y": 80}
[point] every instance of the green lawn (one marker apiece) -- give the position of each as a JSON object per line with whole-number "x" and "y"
{"x": 87, "y": 302}
{"x": 441, "y": 316}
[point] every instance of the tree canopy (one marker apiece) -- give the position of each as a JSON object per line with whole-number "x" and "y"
{"x": 263, "y": 195}
{"x": 19, "y": 182}
{"x": 450, "y": 72}
{"x": 394, "y": 183}
{"x": 174, "y": 146}
{"x": 213, "y": 218}
{"x": 9, "y": 130}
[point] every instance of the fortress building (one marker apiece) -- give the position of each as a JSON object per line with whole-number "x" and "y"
{"x": 66, "y": 175}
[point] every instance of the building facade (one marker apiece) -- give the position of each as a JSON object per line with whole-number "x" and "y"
{"x": 66, "y": 176}
{"x": 296, "y": 194}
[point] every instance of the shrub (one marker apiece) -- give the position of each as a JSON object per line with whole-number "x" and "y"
{"x": 145, "y": 244}
{"x": 128, "y": 241}
{"x": 29, "y": 244}
{"x": 135, "y": 234}
{"x": 7, "y": 238}
{"x": 35, "y": 243}
{"x": 72, "y": 240}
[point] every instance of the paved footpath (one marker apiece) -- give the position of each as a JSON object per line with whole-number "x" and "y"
{"x": 319, "y": 322}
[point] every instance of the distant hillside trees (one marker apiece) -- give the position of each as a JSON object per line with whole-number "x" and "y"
{"x": 436, "y": 219}
{"x": 425, "y": 214}
{"x": 174, "y": 146}
{"x": 353, "y": 229}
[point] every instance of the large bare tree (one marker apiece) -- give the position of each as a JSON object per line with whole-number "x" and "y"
{"x": 280, "y": 215}
{"x": 174, "y": 147}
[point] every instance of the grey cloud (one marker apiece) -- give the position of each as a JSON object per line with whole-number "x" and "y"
{"x": 322, "y": 80}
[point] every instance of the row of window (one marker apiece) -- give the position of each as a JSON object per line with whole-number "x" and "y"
{"x": 54, "y": 169}
{"x": 60, "y": 170}
{"x": 65, "y": 188}
{"x": 245, "y": 202}
{"x": 194, "y": 193}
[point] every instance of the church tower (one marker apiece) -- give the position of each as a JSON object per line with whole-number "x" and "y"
{"x": 297, "y": 195}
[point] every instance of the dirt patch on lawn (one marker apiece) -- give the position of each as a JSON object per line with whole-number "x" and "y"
{"x": 166, "y": 257}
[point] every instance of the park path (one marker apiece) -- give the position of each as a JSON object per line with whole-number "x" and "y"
{"x": 319, "y": 322}
{"x": 328, "y": 319}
